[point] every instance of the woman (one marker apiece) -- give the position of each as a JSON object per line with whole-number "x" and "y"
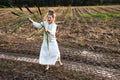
{"x": 49, "y": 56}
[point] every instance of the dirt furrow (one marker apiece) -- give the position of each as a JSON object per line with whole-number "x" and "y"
{"x": 118, "y": 8}
{"x": 96, "y": 10}
{"x": 75, "y": 13}
{"x": 114, "y": 9}
{"x": 88, "y": 10}
{"x": 60, "y": 13}
{"x": 82, "y": 20}
{"x": 80, "y": 11}
{"x": 4, "y": 13}
{"x": 64, "y": 12}
{"x": 108, "y": 10}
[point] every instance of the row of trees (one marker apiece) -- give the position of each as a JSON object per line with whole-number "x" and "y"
{"x": 57, "y": 2}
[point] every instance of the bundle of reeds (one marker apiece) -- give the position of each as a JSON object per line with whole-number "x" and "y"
{"x": 24, "y": 17}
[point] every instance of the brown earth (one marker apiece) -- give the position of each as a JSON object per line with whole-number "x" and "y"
{"x": 90, "y": 44}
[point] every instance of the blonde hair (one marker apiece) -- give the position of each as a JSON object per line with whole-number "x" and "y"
{"x": 52, "y": 13}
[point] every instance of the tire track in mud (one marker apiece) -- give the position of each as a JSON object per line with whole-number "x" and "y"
{"x": 96, "y": 59}
{"x": 109, "y": 74}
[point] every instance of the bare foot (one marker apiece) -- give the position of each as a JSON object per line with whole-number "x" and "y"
{"x": 47, "y": 68}
{"x": 60, "y": 63}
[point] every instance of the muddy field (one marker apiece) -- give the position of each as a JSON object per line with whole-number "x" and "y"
{"x": 88, "y": 38}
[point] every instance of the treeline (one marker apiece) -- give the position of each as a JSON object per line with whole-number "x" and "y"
{"x": 57, "y": 2}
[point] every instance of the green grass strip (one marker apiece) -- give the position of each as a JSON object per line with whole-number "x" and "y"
{"x": 101, "y": 15}
{"x": 86, "y": 16}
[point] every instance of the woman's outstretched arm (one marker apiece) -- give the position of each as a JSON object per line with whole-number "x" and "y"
{"x": 35, "y": 24}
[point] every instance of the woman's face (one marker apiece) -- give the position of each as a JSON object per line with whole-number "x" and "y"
{"x": 50, "y": 19}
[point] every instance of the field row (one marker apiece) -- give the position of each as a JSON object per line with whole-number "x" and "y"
{"x": 90, "y": 25}
{"x": 70, "y": 11}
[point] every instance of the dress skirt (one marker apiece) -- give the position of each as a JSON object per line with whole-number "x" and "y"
{"x": 49, "y": 54}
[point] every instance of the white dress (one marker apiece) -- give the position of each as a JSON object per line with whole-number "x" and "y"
{"x": 51, "y": 55}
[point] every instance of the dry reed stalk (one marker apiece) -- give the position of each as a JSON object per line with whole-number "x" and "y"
{"x": 28, "y": 9}
{"x": 15, "y": 13}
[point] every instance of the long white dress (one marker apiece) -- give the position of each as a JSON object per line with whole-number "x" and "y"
{"x": 51, "y": 55}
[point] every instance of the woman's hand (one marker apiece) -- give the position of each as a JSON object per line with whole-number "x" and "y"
{"x": 47, "y": 31}
{"x": 30, "y": 19}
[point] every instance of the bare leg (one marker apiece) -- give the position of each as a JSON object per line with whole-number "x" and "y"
{"x": 60, "y": 63}
{"x": 47, "y": 67}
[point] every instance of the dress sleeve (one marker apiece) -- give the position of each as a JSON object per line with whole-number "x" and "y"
{"x": 36, "y": 24}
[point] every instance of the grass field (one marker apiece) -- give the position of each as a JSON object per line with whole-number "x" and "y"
{"x": 88, "y": 37}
